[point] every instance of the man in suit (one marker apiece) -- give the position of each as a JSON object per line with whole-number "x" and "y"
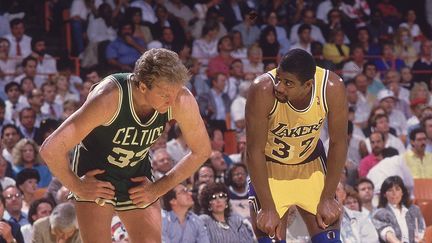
{"x": 215, "y": 104}
{"x": 60, "y": 226}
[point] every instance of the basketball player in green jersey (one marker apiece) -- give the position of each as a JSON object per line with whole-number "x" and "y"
{"x": 113, "y": 131}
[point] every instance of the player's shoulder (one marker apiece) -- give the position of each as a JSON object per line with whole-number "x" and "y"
{"x": 334, "y": 81}
{"x": 262, "y": 84}
{"x": 107, "y": 87}
{"x": 184, "y": 97}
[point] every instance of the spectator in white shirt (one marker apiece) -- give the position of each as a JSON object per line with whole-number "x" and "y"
{"x": 20, "y": 43}
{"x": 205, "y": 47}
{"x": 13, "y": 106}
{"x": 304, "y": 38}
{"x": 308, "y": 17}
{"x": 355, "y": 66}
{"x": 397, "y": 120}
{"x": 238, "y": 106}
{"x": 148, "y": 13}
{"x": 161, "y": 162}
{"x": 5, "y": 181}
{"x": 50, "y": 108}
{"x": 29, "y": 65}
{"x": 177, "y": 147}
{"x": 46, "y": 64}
{"x": 79, "y": 12}
{"x": 8, "y": 65}
{"x": 10, "y": 136}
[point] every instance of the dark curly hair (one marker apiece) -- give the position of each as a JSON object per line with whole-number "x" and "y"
{"x": 206, "y": 197}
{"x": 34, "y": 205}
{"x": 390, "y": 182}
{"x": 229, "y": 176}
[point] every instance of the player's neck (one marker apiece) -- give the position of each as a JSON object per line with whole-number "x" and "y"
{"x": 140, "y": 103}
{"x": 302, "y": 102}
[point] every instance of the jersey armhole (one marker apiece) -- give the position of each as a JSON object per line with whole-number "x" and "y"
{"x": 272, "y": 111}
{"x": 170, "y": 116}
{"x": 324, "y": 90}
{"x": 120, "y": 99}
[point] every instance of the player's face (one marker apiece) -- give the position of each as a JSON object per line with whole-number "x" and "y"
{"x": 163, "y": 95}
{"x": 289, "y": 88}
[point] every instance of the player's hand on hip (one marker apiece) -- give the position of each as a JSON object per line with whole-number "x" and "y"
{"x": 92, "y": 188}
{"x": 328, "y": 212}
{"x": 268, "y": 221}
{"x": 144, "y": 193}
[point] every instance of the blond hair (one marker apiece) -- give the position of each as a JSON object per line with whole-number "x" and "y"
{"x": 160, "y": 63}
{"x": 18, "y": 149}
{"x": 416, "y": 89}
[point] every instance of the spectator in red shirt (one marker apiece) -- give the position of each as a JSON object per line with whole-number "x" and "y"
{"x": 221, "y": 63}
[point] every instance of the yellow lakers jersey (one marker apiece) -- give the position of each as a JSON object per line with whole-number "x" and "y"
{"x": 293, "y": 134}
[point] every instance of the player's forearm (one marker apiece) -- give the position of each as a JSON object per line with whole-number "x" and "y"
{"x": 258, "y": 172}
{"x": 335, "y": 163}
{"x": 181, "y": 171}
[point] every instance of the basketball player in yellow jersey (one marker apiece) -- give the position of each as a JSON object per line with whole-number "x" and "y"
{"x": 285, "y": 111}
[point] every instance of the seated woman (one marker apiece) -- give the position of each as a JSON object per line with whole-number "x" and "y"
{"x": 397, "y": 219}
{"x": 26, "y": 181}
{"x": 336, "y": 51}
{"x": 26, "y": 155}
{"x": 221, "y": 225}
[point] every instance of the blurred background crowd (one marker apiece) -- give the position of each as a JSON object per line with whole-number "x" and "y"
{"x": 53, "y": 51}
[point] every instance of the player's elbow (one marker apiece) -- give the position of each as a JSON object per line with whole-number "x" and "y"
{"x": 46, "y": 152}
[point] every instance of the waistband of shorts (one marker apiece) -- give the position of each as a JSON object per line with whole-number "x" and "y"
{"x": 118, "y": 206}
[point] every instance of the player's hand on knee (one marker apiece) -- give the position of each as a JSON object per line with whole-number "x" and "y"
{"x": 92, "y": 188}
{"x": 144, "y": 193}
{"x": 268, "y": 221}
{"x": 328, "y": 212}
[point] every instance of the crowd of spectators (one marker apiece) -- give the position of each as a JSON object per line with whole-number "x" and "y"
{"x": 380, "y": 48}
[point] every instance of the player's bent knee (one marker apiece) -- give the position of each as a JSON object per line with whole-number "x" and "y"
{"x": 328, "y": 236}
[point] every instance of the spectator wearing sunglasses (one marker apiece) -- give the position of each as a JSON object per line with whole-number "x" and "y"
{"x": 13, "y": 206}
{"x": 9, "y": 230}
{"x": 221, "y": 225}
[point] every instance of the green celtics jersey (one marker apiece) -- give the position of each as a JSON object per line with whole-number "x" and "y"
{"x": 120, "y": 147}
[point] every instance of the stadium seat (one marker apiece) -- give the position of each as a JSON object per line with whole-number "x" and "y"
{"x": 426, "y": 209}
{"x": 428, "y": 235}
{"x": 423, "y": 189}
{"x": 230, "y": 140}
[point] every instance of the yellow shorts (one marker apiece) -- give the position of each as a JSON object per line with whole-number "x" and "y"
{"x": 299, "y": 185}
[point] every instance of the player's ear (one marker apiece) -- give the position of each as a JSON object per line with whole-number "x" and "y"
{"x": 142, "y": 87}
{"x": 309, "y": 83}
